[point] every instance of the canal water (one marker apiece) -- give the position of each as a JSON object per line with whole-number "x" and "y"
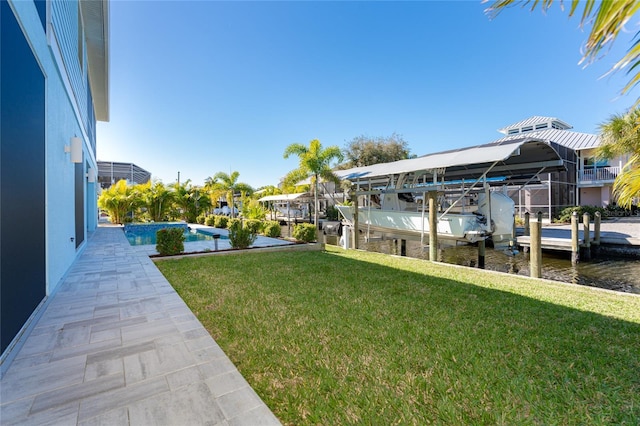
{"x": 605, "y": 271}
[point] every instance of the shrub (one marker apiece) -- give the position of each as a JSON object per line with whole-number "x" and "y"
{"x": 240, "y": 237}
{"x": 221, "y": 222}
{"x": 201, "y": 219}
{"x": 305, "y": 232}
{"x": 210, "y": 221}
{"x": 332, "y": 213}
{"x": 565, "y": 215}
{"x": 254, "y": 225}
{"x": 234, "y": 224}
{"x": 170, "y": 241}
{"x": 271, "y": 228}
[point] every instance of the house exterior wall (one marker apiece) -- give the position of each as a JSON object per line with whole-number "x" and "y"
{"x": 68, "y": 112}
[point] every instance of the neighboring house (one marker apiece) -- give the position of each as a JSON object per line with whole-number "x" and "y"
{"x": 588, "y": 180}
{"x": 110, "y": 172}
{"x": 53, "y": 86}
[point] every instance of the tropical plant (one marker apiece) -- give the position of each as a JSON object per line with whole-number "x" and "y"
{"x": 157, "y": 199}
{"x": 271, "y": 228}
{"x": 190, "y": 200}
{"x": 119, "y": 200}
{"x": 621, "y": 136}
{"x": 315, "y": 163}
{"x": 252, "y": 209}
{"x": 608, "y": 18}
{"x": 170, "y": 241}
{"x": 304, "y": 232}
{"x": 240, "y": 237}
{"x": 228, "y": 184}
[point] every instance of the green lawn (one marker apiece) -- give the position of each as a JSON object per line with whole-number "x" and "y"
{"x": 342, "y": 337}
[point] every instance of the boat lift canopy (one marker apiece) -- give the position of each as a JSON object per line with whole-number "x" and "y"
{"x": 285, "y": 197}
{"x": 512, "y": 160}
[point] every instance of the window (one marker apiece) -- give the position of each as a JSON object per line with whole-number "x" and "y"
{"x": 542, "y": 126}
{"x": 527, "y": 129}
{"x": 513, "y": 131}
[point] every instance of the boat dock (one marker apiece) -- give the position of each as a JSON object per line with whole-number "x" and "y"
{"x": 620, "y": 235}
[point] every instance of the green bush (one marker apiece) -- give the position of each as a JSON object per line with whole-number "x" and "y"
{"x": 565, "y": 214}
{"x": 305, "y": 232}
{"x": 221, "y": 222}
{"x": 210, "y": 220}
{"x": 240, "y": 237}
{"x": 234, "y": 224}
{"x": 332, "y": 213}
{"x": 271, "y": 228}
{"x": 254, "y": 225}
{"x": 170, "y": 241}
{"x": 201, "y": 219}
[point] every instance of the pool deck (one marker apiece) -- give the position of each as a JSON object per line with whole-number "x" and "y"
{"x": 116, "y": 344}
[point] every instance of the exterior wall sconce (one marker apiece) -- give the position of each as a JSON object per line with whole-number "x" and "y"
{"x": 91, "y": 175}
{"x": 75, "y": 149}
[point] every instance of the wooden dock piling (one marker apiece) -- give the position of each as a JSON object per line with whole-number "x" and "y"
{"x": 575, "y": 247}
{"x": 586, "y": 218}
{"x": 535, "y": 256}
{"x": 527, "y": 226}
{"x": 481, "y": 254}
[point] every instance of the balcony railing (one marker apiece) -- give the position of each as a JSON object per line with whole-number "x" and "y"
{"x": 599, "y": 174}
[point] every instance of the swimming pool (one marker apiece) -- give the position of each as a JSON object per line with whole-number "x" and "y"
{"x": 145, "y": 234}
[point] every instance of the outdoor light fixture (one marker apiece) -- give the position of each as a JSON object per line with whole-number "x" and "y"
{"x": 91, "y": 175}
{"x": 76, "y": 150}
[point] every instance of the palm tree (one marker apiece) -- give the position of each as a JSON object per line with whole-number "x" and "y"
{"x": 621, "y": 136}
{"x": 228, "y": 184}
{"x": 608, "y": 19}
{"x": 119, "y": 200}
{"x": 157, "y": 199}
{"x": 315, "y": 163}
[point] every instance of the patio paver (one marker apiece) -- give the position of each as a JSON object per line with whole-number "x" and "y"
{"x": 117, "y": 345}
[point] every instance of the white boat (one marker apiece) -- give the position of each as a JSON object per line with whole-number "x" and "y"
{"x": 472, "y": 186}
{"x": 492, "y": 216}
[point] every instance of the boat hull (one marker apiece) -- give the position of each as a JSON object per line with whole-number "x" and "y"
{"x": 466, "y": 227}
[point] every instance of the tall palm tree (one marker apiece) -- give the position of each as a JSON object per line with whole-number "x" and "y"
{"x": 228, "y": 183}
{"x": 315, "y": 163}
{"x": 608, "y": 18}
{"x": 621, "y": 136}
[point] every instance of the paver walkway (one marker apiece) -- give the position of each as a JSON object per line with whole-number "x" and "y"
{"x": 117, "y": 345}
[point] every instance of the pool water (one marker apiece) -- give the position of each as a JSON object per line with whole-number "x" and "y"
{"x": 145, "y": 234}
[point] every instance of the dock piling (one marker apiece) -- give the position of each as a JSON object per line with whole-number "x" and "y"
{"x": 356, "y": 232}
{"x": 535, "y": 257}
{"x": 596, "y": 232}
{"x": 575, "y": 248}
{"x": 481, "y": 253}
{"x": 586, "y": 218}
{"x": 527, "y": 226}
{"x": 433, "y": 226}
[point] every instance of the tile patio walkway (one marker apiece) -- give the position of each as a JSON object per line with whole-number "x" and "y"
{"x": 117, "y": 345}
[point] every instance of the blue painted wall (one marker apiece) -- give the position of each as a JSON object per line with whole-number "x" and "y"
{"x": 69, "y": 202}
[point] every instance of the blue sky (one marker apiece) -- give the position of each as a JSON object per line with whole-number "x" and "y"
{"x": 199, "y": 87}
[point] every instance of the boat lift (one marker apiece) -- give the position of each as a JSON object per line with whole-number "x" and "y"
{"x": 507, "y": 163}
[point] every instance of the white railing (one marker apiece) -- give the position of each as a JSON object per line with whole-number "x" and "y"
{"x": 599, "y": 174}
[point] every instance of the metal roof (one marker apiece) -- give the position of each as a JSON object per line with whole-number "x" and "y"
{"x": 95, "y": 17}
{"x": 532, "y": 121}
{"x": 109, "y": 172}
{"x": 524, "y": 156}
{"x": 285, "y": 197}
{"x": 574, "y": 140}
